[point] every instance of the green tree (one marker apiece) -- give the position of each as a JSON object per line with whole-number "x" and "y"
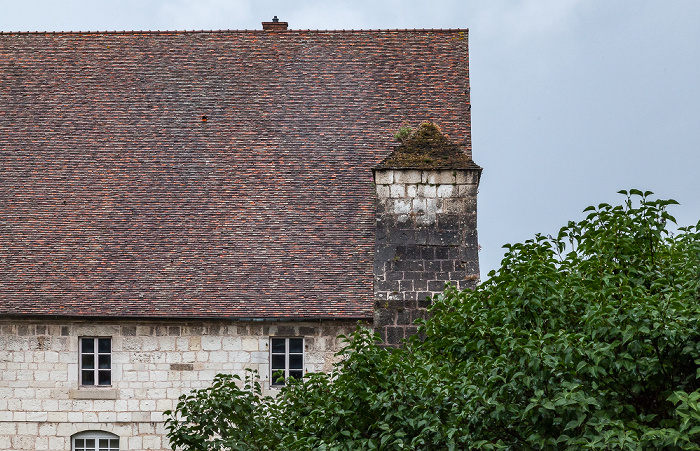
{"x": 589, "y": 339}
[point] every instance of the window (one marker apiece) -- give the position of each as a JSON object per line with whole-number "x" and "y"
{"x": 95, "y": 361}
{"x": 287, "y": 359}
{"x": 95, "y": 441}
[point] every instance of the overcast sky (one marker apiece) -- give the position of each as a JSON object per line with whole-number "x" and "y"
{"x": 572, "y": 100}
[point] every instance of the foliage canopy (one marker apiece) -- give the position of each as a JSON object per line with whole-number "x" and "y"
{"x": 589, "y": 339}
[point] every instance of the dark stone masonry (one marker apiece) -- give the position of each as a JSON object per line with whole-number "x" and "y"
{"x": 426, "y": 232}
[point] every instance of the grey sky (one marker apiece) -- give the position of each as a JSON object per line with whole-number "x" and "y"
{"x": 572, "y": 100}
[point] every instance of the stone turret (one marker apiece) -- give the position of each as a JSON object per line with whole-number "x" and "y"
{"x": 426, "y": 228}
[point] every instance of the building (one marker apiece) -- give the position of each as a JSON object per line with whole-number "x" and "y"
{"x": 178, "y": 204}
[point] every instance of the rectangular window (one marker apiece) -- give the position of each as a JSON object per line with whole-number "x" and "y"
{"x": 287, "y": 359}
{"x": 95, "y": 361}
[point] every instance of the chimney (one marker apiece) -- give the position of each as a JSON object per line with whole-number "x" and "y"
{"x": 275, "y": 25}
{"x": 425, "y": 229}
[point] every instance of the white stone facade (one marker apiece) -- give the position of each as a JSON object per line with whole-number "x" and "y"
{"x": 42, "y": 403}
{"x": 423, "y": 195}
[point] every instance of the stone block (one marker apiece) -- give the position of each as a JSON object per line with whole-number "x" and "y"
{"x": 454, "y": 206}
{"x": 7, "y": 428}
{"x": 405, "y": 285}
{"x": 387, "y": 285}
{"x": 166, "y": 343}
{"x": 407, "y": 176}
{"x": 308, "y": 331}
{"x": 383, "y": 177}
{"x": 100, "y": 330}
{"x": 57, "y": 417}
{"x": 94, "y": 393}
{"x": 211, "y": 343}
{"x": 418, "y": 206}
{"x": 403, "y": 317}
{"x": 259, "y": 357}
{"x": 441, "y": 177}
{"x": 249, "y": 344}
{"x": 134, "y": 442}
{"x": 428, "y": 219}
{"x": 417, "y": 314}
{"x": 59, "y": 443}
{"x": 218, "y": 357}
{"x": 107, "y": 417}
{"x": 397, "y": 191}
{"x": 286, "y": 331}
{"x": 394, "y": 335}
{"x": 433, "y": 206}
{"x": 231, "y": 343}
{"x": 467, "y": 177}
{"x": 383, "y": 191}
{"x": 23, "y": 442}
{"x": 445, "y": 190}
{"x": 153, "y": 441}
{"x": 129, "y": 331}
{"x": 427, "y": 191}
{"x": 384, "y": 317}
{"x": 466, "y": 191}
{"x": 412, "y": 191}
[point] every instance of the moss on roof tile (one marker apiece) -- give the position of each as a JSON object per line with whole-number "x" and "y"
{"x": 427, "y": 148}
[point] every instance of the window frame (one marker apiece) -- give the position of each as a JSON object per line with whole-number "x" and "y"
{"x": 287, "y": 369}
{"x": 97, "y": 436}
{"x": 96, "y": 366}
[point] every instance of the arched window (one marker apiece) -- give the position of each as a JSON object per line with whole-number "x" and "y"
{"x": 95, "y": 441}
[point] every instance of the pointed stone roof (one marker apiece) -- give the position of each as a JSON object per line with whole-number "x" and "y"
{"x": 427, "y": 148}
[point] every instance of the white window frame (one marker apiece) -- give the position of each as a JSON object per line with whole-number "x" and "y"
{"x": 273, "y": 382}
{"x": 96, "y": 364}
{"x": 97, "y": 436}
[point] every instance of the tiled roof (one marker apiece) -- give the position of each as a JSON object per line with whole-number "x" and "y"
{"x": 118, "y": 199}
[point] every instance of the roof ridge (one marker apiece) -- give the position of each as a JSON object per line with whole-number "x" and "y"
{"x": 236, "y": 31}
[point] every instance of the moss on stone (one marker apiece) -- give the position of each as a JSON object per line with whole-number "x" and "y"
{"x": 427, "y": 148}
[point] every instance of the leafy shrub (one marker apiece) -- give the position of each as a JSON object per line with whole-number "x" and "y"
{"x": 589, "y": 339}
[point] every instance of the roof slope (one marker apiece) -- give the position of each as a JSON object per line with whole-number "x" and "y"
{"x": 118, "y": 199}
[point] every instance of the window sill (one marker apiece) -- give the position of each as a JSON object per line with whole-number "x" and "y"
{"x": 94, "y": 393}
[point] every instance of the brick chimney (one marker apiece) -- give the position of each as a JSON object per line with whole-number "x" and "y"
{"x": 426, "y": 229}
{"x": 275, "y": 25}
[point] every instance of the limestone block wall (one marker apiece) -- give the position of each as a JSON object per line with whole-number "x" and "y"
{"x": 426, "y": 236}
{"x": 42, "y": 404}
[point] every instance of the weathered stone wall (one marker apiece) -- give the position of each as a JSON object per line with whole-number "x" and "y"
{"x": 426, "y": 237}
{"x": 153, "y": 363}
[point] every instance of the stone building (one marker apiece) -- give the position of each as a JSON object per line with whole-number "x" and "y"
{"x": 178, "y": 204}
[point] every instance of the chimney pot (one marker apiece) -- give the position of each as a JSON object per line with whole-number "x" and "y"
{"x": 275, "y": 25}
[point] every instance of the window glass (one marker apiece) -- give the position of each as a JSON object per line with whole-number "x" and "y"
{"x": 296, "y": 345}
{"x": 296, "y": 361}
{"x": 105, "y": 361}
{"x": 278, "y": 345}
{"x": 287, "y": 359}
{"x": 296, "y": 374}
{"x": 88, "y": 377}
{"x": 88, "y": 345}
{"x": 277, "y": 361}
{"x": 95, "y": 441}
{"x": 88, "y": 361}
{"x": 95, "y": 361}
{"x": 105, "y": 377}
{"x": 104, "y": 345}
